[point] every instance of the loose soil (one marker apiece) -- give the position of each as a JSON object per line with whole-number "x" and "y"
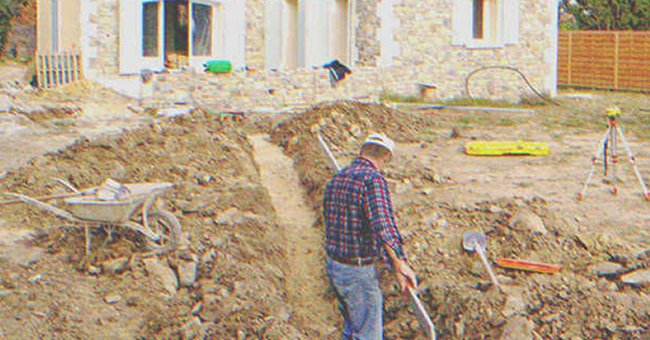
{"x": 257, "y": 236}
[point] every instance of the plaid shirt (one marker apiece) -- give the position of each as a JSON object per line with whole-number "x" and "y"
{"x": 358, "y": 213}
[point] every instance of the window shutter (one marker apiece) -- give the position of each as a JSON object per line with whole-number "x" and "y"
{"x": 461, "y": 22}
{"x": 131, "y": 59}
{"x": 235, "y": 32}
{"x": 510, "y": 21}
{"x": 316, "y": 35}
{"x": 273, "y": 34}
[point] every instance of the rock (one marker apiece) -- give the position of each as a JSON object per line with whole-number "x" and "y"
{"x": 605, "y": 285}
{"x": 606, "y": 269}
{"x": 208, "y": 257}
{"x": 637, "y": 278}
{"x": 15, "y": 247}
{"x": 505, "y": 280}
{"x": 191, "y": 329}
{"x": 5, "y": 103}
{"x": 112, "y": 298}
{"x": 187, "y": 273}
{"x": 212, "y": 308}
{"x": 428, "y": 191}
{"x": 204, "y": 179}
{"x": 496, "y": 209}
{"x": 518, "y": 328}
{"x": 282, "y": 312}
{"x": 197, "y": 308}
{"x": 163, "y": 273}
{"x": 549, "y": 318}
{"x": 175, "y": 112}
{"x": 116, "y": 266}
{"x": 30, "y": 255}
{"x": 431, "y": 219}
{"x": 229, "y": 217}
{"x": 92, "y": 270}
{"x": 526, "y": 220}
{"x": 35, "y": 278}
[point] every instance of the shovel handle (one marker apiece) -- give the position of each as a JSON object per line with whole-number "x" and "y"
{"x": 481, "y": 253}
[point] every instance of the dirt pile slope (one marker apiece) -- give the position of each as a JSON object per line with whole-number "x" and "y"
{"x": 343, "y": 125}
{"x": 587, "y": 299}
{"x": 235, "y": 242}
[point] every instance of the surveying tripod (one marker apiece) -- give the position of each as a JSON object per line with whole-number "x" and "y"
{"x": 610, "y": 143}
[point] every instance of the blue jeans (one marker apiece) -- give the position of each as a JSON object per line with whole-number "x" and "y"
{"x": 360, "y": 300}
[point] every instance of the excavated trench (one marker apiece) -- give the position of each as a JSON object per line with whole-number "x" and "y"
{"x": 256, "y": 242}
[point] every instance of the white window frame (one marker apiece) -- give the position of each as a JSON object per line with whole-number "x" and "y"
{"x": 196, "y": 62}
{"x": 55, "y": 25}
{"x": 314, "y": 34}
{"x": 504, "y": 19}
{"x": 492, "y": 18}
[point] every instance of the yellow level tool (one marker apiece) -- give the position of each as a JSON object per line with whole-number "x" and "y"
{"x": 500, "y": 148}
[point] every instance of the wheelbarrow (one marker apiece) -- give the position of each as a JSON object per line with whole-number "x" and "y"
{"x": 114, "y": 205}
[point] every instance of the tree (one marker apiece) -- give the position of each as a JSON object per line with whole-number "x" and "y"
{"x": 608, "y": 14}
{"x": 8, "y": 9}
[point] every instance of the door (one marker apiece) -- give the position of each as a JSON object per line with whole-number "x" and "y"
{"x": 204, "y": 33}
{"x": 141, "y": 46}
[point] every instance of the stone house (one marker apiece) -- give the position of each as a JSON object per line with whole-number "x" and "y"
{"x": 278, "y": 47}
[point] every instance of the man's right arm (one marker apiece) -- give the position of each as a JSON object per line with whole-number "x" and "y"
{"x": 403, "y": 272}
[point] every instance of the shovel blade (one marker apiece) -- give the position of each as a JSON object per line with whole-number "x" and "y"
{"x": 473, "y": 239}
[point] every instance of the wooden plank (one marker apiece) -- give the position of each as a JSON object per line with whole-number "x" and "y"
{"x": 39, "y": 67}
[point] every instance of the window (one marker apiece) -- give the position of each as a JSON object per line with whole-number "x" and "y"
{"x": 150, "y": 29}
{"x": 202, "y": 30}
{"x": 477, "y": 21}
{"x": 485, "y": 23}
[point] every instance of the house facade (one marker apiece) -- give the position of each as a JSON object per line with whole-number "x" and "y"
{"x": 278, "y": 47}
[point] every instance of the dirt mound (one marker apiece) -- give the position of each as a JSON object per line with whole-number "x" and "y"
{"x": 344, "y": 125}
{"x": 581, "y": 301}
{"x": 239, "y": 288}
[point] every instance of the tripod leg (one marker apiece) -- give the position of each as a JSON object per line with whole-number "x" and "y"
{"x": 599, "y": 153}
{"x": 646, "y": 195}
{"x": 614, "y": 155}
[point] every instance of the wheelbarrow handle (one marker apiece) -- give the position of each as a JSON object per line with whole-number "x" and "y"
{"x": 46, "y": 198}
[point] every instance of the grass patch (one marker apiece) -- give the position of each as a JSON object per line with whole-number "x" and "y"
{"x": 506, "y": 122}
{"x": 398, "y": 98}
{"x": 477, "y": 102}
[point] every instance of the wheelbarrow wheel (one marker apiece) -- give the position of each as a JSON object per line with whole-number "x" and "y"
{"x": 166, "y": 228}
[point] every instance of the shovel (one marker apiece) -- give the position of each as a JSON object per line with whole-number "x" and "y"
{"x": 475, "y": 242}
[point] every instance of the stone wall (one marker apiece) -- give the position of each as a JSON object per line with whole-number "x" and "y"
{"x": 427, "y": 55}
{"x": 262, "y": 90}
{"x": 100, "y": 40}
{"x": 255, "y": 34}
{"x": 367, "y": 23}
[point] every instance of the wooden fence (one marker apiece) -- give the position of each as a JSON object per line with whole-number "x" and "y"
{"x": 605, "y": 59}
{"x": 57, "y": 69}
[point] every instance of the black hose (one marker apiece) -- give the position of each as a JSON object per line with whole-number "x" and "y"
{"x": 483, "y": 68}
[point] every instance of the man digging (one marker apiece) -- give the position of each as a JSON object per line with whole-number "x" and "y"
{"x": 360, "y": 230}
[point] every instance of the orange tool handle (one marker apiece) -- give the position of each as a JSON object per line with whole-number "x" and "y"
{"x": 529, "y": 266}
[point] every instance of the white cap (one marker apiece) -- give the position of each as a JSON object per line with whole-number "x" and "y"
{"x": 381, "y": 140}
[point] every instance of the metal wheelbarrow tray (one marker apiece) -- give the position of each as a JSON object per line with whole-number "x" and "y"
{"x": 117, "y": 205}
{"x": 114, "y": 211}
